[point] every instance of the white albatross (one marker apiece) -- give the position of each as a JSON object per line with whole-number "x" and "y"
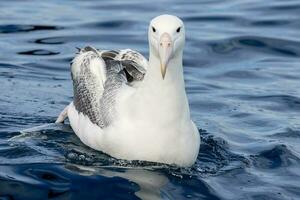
{"x": 133, "y": 109}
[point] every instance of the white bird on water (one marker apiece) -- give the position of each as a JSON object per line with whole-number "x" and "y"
{"x": 133, "y": 109}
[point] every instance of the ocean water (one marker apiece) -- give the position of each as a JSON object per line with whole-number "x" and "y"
{"x": 242, "y": 72}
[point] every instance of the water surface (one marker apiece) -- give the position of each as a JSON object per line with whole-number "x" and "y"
{"x": 242, "y": 69}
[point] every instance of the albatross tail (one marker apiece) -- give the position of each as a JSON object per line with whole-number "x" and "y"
{"x": 62, "y": 116}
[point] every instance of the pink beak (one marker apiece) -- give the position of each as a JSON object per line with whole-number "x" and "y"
{"x": 165, "y": 51}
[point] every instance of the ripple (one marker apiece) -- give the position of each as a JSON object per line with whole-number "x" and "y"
{"x": 287, "y": 52}
{"x": 281, "y": 102}
{"x": 283, "y": 47}
{"x": 50, "y": 40}
{"x": 270, "y": 22}
{"x": 293, "y": 6}
{"x": 102, "y": 38}
{"x": 44, "y": 181}
{"x": 19, "y": 28}
{"x": 12, "y": 152}
{"x": 210, "y": 18}
{"x": 240, "y": 74}
{"x": 209, "y": 106}
{"x": 20, "y": 120}
{"x": 251, "y": 41}
{"x": 48, "y": 176}
{"x": 268, "y": 45}
{"x": 279, "y": 156}
{"x": 38, "y": 52}
{"x": 288, "y": 133}
{"x": 115, "y": 24}
{"x": 9, "y": 66}
{"x": 214, "y": 156}
{"x": 48, "y": 66}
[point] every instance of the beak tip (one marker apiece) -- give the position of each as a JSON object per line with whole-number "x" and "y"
{"x": 163, "y": 71}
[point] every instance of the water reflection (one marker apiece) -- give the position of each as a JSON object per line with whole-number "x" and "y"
{"x": 149, "y": 183}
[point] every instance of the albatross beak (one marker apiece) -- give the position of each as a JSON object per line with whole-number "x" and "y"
{"x": 165, "y": 50}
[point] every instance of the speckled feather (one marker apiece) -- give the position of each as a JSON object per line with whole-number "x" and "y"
{"x": 86, "y": 91}
{"x": 121, "y": 67}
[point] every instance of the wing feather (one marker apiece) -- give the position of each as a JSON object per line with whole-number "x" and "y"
{"x": 134, "y": 63}
{"x": 97, "y": 77}
{"x": 89, "y": 75}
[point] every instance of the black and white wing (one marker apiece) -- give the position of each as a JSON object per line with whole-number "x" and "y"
{"x": 134, "y": 64}
{"x": 97, "y": 77}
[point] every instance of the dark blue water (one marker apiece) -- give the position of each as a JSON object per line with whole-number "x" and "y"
{"x": 242, "y": 70}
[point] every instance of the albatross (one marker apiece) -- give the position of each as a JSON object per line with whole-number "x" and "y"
{"x": 135, "y": 109}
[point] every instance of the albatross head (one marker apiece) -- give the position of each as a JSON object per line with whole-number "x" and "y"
{"x": 166, "y": 39}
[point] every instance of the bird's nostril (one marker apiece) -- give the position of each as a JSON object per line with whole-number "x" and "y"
{"x": 169, "y": 44}
{"x": 161, "y": 44}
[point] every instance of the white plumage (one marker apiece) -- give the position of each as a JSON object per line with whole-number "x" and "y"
{"x": 132, "y": 109}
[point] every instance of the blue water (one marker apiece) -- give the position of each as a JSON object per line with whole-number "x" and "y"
{"x": 242, "y": 71}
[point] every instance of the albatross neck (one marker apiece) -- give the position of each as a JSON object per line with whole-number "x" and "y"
{"x": 174, "y": 73}
{"x": 165, "y": 96}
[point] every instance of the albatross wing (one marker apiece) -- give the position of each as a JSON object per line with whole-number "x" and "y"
{"x": 97, "y": 77}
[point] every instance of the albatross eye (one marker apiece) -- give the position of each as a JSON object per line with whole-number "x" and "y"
{"x": 153, "y": 29}
{"x": 178, "y": 30}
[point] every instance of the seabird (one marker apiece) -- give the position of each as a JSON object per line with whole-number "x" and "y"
{"x": 133, "y": 109}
